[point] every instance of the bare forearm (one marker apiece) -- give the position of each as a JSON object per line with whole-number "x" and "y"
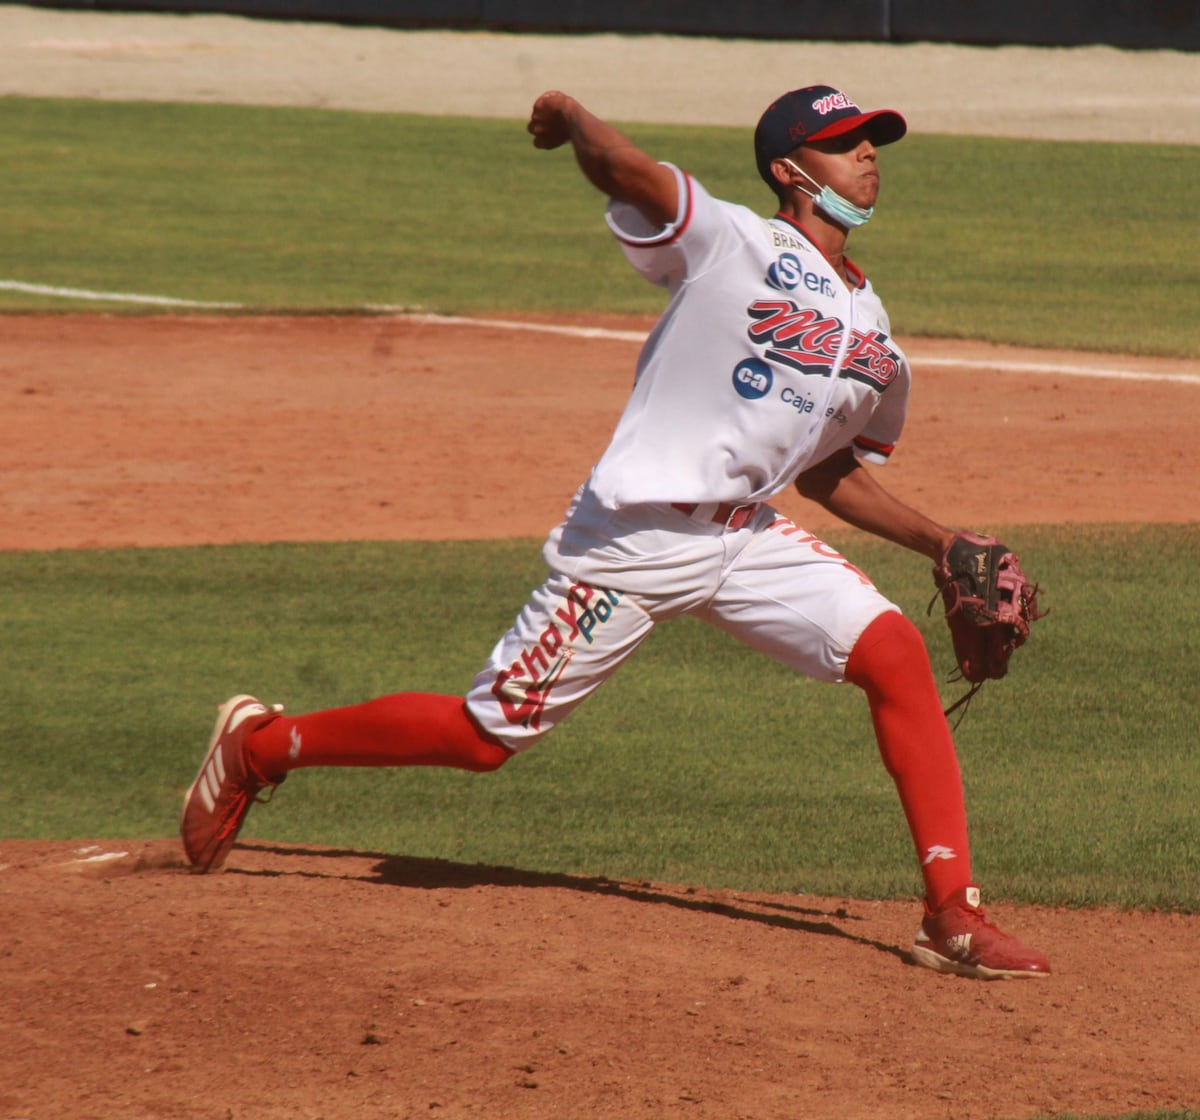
{"x": 609, "y": 160}
{"x": 605, "y": 155}
{"x": 847, "y": 489}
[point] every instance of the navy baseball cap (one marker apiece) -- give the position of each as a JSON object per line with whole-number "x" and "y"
{"x": 816, "y": 113}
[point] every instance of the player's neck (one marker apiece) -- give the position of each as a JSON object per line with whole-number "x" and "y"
{"x": 825, "y": 234}
{"x": 830, "y": 239}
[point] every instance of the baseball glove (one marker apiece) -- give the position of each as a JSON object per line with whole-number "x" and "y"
{"x": 989, "y": 603}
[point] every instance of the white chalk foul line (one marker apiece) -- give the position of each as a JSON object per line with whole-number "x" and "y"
{"x": 110, "y": 297}
{"x": 1060, "y": 369}
{"x": 512, "y": 325}
{"x": 1064, "y": 369}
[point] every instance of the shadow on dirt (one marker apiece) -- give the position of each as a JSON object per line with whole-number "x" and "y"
{"x": 438, "y": 874}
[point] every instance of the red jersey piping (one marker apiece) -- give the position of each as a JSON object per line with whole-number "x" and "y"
{"x": 884, "y": 449}
{"x": 673, "y": 233}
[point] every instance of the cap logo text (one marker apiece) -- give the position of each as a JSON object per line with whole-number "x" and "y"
{"x": 831, "y": 102}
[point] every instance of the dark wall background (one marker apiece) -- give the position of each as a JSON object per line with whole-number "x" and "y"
{"x": 1122, "y": 23}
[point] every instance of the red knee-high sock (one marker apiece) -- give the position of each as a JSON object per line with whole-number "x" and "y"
{"x": 891, "y": 665}
{"x": 405, "y": 729}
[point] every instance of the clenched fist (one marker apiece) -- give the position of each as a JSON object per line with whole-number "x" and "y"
{"x": 548, "y": 121}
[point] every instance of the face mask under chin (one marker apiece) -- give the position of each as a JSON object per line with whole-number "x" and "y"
{"x": 827, "y": 200}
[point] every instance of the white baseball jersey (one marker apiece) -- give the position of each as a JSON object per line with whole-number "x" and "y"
{"x": 763, "y": 364}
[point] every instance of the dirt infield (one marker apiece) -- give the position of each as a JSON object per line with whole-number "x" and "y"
{"x": 319, "y": 428}
{"x": 306, "y": 983}
{"x": 315, "y": 983}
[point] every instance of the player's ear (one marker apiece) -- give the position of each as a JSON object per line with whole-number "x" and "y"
{"x": 782, "y": 174}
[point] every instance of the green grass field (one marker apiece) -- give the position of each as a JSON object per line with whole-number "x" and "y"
{"x": 1078, "y": 766}
{"x": 1035, "y": 243}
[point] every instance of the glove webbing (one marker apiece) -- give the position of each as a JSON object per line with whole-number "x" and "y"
{"x": 963, "y": 701}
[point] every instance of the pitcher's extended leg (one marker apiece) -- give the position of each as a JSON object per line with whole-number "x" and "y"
{"x": 403, "y": 729}
{"x": 891, "y": 665}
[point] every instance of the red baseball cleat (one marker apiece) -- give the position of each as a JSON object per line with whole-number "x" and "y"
{"x": 225, "y": 788}
{"x": 958, "y": 938}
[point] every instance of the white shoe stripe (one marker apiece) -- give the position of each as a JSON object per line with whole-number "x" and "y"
{"x": 211, "y": 779}
{"x": 242, "y": 714}
{"x": 211, "y": 783}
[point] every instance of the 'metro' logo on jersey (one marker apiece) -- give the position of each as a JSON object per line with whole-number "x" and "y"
{"x": 803, "y": 338}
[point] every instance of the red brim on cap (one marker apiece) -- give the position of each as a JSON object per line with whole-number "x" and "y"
{"x": 886, "y": 127}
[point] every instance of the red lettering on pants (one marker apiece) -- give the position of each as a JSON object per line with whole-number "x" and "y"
{"x": 791, "y": 529}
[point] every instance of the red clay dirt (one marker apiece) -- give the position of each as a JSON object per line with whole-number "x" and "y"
{"x": 186, "y": 430}
{"x": 307, "y": 982}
